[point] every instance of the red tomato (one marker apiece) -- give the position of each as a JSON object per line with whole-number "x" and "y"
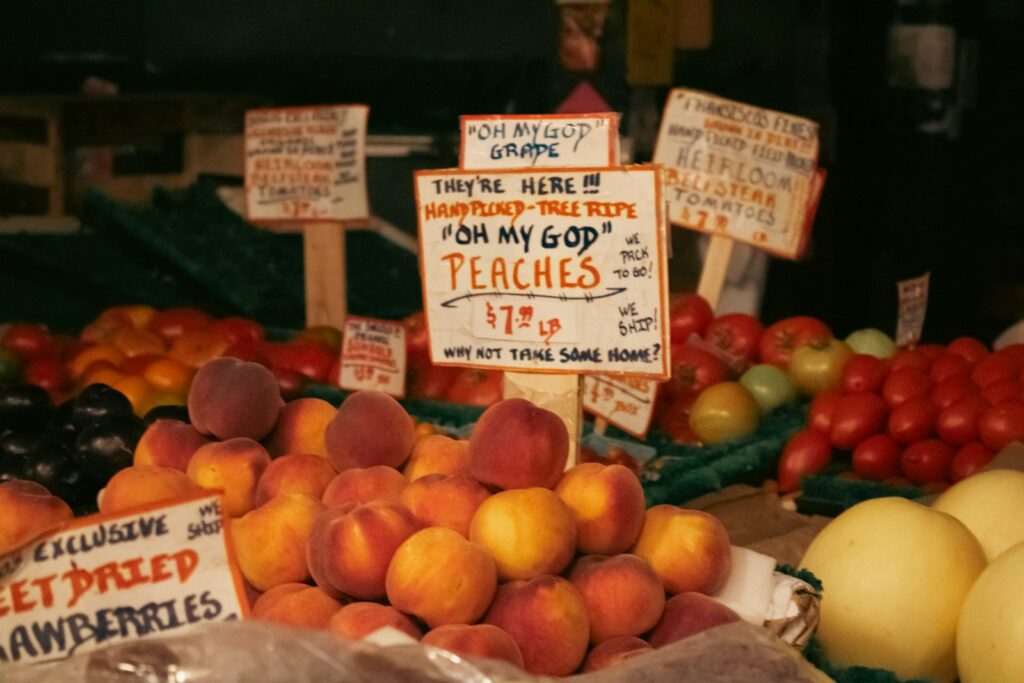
{"x": 909, "y": 359}
{"x": 174, "y": 322}
{"x": 417, "y": 337}
{"x": 877, "y": 458}
{"x": 1005, "y": 389}
{"x": 312, "y": 360}
{"x": 1001, "y": 424}
{"x": 912, "y": 421}
{"x": 688, "y": 314}
{"x": 693, "y": 370}
{"x": 947, "y": 366}
{"x": 904, "y": 384}
{"x": 857, "y": 417}
{"x": 927, "y": 461}
{"x": 952, "y": 389}
{"x": 236, "y": 330}
{"x": 823, "y": 407}
{"x": 29, "y": 341}
{"x": 931, "y": 351}
{"x": 806, "y": 452}
{"x": 958, "y": 424}
{"x": 251, "y": 352}
{"x": 475, "y": 387}
{"x": 674, "y": 420}
{"x": 779, "y": 340}
{"x": 431, "y": 381}
{"x": 862, "y": 373}
{"x": 994, "y": 368}
{"x": 968, "y": 348}
{"x": 738, "y": 334}
{"x": 969, "y": 459}
{"x": 49, "y": 373}
{"x": 290, "y": 382}
{"x": 1015, "y": 352}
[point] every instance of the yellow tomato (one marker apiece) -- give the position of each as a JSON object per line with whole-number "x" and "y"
{"x": 723, "y": 412}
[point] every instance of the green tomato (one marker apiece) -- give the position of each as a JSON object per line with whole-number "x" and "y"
{"x": 771, "y": 386}
{"x": 873, "y": 342}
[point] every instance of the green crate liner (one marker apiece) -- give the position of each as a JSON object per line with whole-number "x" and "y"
{"x": 829, "y": 494}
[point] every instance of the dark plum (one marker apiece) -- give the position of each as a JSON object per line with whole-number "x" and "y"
{"x": 96, "y": 402}
{"x": 24, "y": 406}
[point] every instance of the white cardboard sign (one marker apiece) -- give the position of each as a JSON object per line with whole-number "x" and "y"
{"x": 115, "y": 578}
{"x": 549, "y": 140}
{"x": 732, "y": 169}
{"x": 373, "y": 356}
{"x": 626, "y": 402}
{"x": 555, "y": 270}
{"x": 306, "y": 164}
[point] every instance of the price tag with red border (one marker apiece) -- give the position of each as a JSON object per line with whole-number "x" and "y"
{"x": 373, "y": 356}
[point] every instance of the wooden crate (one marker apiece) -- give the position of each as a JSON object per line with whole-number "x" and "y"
{"x": 31, "y": 158}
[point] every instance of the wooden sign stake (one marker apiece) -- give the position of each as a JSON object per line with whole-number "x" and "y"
{"x": 324, "y": 257}
{"x": 716, "y": 264}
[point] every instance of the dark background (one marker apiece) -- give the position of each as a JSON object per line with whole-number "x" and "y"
{"x": 898, "y": 201}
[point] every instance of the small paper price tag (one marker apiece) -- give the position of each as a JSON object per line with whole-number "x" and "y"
{"x": 373, "y": 356}
{"x": 626, "y": 402}
{"x": 913, "y": 302}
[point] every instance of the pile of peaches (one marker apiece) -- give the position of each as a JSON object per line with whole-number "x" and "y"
{"x": 355, "y": 518}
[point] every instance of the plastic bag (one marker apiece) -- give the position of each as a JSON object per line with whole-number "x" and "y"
{"x": 247, "y": 652}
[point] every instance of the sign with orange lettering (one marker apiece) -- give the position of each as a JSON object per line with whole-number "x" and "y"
{"x": 547, "y": 270}
{"x": 306, "y": 164}
{"x": 373, "y": 356}
{"x": 740, "y": 171}
{"x": 114, "y": 578}
{"x": 626, "y": 402}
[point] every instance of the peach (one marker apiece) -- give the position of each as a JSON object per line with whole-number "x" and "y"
{"x": 529, "y": 532}
{"x": 608, "y": 503}
{"x": 360, "y": 485}
{"x": 270, "y": 541}
{"x": 687, "y": 614}
{"x": 547, "y": 618}
{"x": 437, "y": 454}
{"x": 233, "y": 466}
{"x": 445, "y": 500}
{"x": 295, "y": 604}
{"x": 688, "y": 549}
{"x": 370, "y": 428}
{"x": 484, "y": 641}
{"x": 300, "y": 427}
{"x": 614, "y": 651}
{"x": 440, "y": 577}
{"x": 145, "y": 484}
{"x": 29, "y": 511}
{"x": 359, "y": 619}
{"x": 516, "y": 445}
{"x": 230, "y": 398}
{"x": 298, "y": 473}
{"x": 623, "y": 595}
{"x": 350, "y": 549}
{"x": 168, "y": 443}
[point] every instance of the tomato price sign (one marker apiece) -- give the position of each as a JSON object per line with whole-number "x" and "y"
{"x": 373, "y": 356}
{"x": 306, "y": 164}
{"x": 555, "y": 270}
{"x": 743, "y": 172}
{"x": 534, "y": 141}
{"x": 109, "y": 579}
{"x": 913, "y": 303}
{"x": 626, "y": 402}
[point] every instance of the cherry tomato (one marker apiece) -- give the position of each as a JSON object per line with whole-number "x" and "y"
{"x": 475, "y": 387}
{"x": 738, "y": 334}
{"x": 968, "y": 348}
{"x": 823, "y": 407}
{"x": 251, "y": 352}
{"x": 29, "y": 341}
{"x": 931, "y": 351}
{"x": 290, "y": 382}
{"x": 993, "y": 368}
{"x": 857, "y": 417}
{"x": 236, "y": 330}
{"x": 862, "y": 373}
{"x": 1001, "y": 424}
{"x": 49, "y": 373}
{"x": 909, "y": 359}
{"x": 969, "y": 459}
{"x": 688, "y": 314}
{"x": 174, "y": 322}
{"x": 818, "y": 367}
{"x": 806, "y": 452}
{"x": 947, "y": 366}
{"x": 952, "y": 389}
{"x": 1005, "y": 389}
{"x": 958, "y": 424}
{"x": 877, "y": 457}
{"x": 430, "y": 381}
{"x": 312, "y": 360}
{"x": 927, "y": 461}
{"x": 723, "y": 412}
{"x": 693, "y": 370}
{"x": 912, "y": 421}
{"x": 904, "y": 384}
{"x": 780, "y": 339}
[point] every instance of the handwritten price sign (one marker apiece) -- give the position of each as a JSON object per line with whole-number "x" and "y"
{"x": 547, "y": 271}
{"x": 373, "y": 356}
{"x": 736, "y": 170}
{"x": 626, "y": 402}
{"x": 109, "y": 579}
{"x": 551, "y": 140}
{"x": 306, "y": 164}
